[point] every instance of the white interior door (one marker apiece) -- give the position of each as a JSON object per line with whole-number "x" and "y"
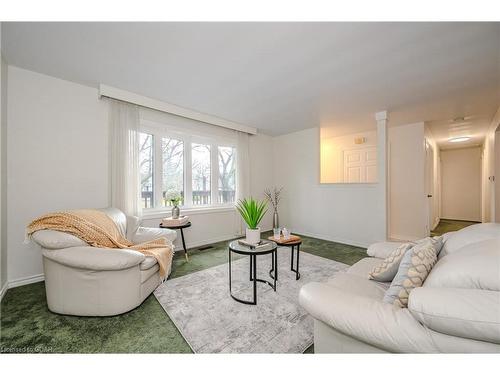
{"x": 360, "y": 165}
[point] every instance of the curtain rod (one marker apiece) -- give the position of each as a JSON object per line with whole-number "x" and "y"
{"x": 144, "y": 101}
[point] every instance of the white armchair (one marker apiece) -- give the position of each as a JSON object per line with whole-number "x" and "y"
{"x": 91, "y": 281}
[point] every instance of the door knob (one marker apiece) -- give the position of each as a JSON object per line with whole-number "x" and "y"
{"x": 429, "y": 195}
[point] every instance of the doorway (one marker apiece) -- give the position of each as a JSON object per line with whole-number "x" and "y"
{"x": 461, "y": 184}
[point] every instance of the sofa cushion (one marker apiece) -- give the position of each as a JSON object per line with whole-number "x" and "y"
{"x": 133, "y": 223}
{"x": 468, "y": 313}
{"x": 469, "y": 235}
{"x": 382, "y": 249}
{"x": 53, "y": 239}
{"x": 364, "y": 266}
{"x": 474, "y": 266}
{"x": 413, "y": 270}
{"x": 386, "y": 270}
{"x": 144, "y": 234}
{"x": 357, "y": 285}
{"x": 118, "y": 217}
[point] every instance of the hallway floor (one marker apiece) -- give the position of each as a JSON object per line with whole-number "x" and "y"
{"x": 447, "y": 225}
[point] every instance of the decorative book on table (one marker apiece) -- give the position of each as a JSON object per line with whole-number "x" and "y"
{"x": 256, "y": 246}
{"x": 170, "y": 222}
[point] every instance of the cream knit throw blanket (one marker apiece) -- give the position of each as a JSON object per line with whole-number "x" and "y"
{"x": 99, "y": 230}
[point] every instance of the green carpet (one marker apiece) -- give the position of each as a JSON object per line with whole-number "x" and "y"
{"x": 447, "y": 225}
{"x": 28, "y": 326}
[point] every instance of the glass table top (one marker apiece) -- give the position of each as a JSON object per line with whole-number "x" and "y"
{"x": 269, "y": 245}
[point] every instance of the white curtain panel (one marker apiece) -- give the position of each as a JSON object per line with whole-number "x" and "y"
{"x": 124, "y": 139}
{"x": 242, "y": 172}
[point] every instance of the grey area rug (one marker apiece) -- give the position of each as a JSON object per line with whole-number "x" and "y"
{"x": 200, "y": 306}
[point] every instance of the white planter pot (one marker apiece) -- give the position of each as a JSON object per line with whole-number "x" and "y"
{"x": 252, "y": 235}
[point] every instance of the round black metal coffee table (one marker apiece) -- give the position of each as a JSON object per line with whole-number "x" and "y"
{"x": 235, "y": 247}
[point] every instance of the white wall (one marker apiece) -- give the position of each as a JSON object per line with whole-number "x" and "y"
{"x": 58, "y": 159}
{"x": 461, "y": 184}
{"x": 347, "y": 213}
{"x": 3, "y": 179}
{"x": 407, "y": 202}
{"x": 262, "y": 171}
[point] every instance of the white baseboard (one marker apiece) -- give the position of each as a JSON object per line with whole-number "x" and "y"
{"x": 209, "y": 241}
{"x": 436, "y": 223}
{"x": 3, "y": 290}
{"x": 26, "y": 280}
{"x": 403, "y": 238}
{"x": 333, "y": 239}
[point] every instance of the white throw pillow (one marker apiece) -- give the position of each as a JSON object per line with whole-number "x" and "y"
{"x": 413, "y": 270}
{"x": 390, "y": 265}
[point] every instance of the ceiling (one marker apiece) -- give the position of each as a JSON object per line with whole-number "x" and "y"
{"x": 281, "y": 77}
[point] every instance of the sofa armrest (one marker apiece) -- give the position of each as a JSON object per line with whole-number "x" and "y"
{"x": 366, "y": 319}
{"x": 95, "y": 258}
{"x": 144, "y": 234}
{"x": 53, "y": 239}
{"x": 468, "y": 313}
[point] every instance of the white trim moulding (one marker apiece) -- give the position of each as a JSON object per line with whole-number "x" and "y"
{"x": 144, "y": 101}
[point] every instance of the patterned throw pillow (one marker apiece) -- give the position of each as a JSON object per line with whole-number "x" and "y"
{"x": 389, "y": 267}
{"x": 413, "y": 270}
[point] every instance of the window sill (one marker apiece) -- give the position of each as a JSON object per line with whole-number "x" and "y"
{"x": 161, "y": 213}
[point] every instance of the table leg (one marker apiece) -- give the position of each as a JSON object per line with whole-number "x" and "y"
{"x": 230, "y": 272}
{"x": 254, "y": 279}
{"x": 296, "y": 270}
{"x": 184, "y": 245}
{"x": 251, "y": 268}
{"x": 298, "y": 273}
{"x": 275, "y": 267}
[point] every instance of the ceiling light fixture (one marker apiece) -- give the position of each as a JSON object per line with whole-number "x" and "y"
{"x": 458, "y": 139}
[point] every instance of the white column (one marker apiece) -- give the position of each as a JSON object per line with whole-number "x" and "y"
{"x": 382, "y": 174}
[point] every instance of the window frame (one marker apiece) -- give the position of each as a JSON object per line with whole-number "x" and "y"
{"x": 160, "y": 131}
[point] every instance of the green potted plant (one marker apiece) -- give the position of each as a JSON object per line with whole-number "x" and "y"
{"x": 252, "y": 212}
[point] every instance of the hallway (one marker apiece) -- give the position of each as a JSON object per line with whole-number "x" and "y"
{"x": 447, "y": 225}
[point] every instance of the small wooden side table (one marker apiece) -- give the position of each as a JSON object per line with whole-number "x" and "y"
{"x": 292, "y": 242}
{"x": 180, "y": 227}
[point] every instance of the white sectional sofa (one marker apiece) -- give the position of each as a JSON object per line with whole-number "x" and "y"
{"x": 457, "y": 310}
{"x": 91, "y": 281}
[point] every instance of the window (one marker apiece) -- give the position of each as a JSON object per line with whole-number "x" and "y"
{"x": 227, "y": 174}
{"x": 201, "y": 174}
{"x": 173, "y": 169}
{"x": 146, "y": 169}
{"x": 201, "y": 170}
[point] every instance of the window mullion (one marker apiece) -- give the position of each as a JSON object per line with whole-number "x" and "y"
{"x": 214, "y": 170}
{"x": 158, "y": 170}
{"x": 188, "y": 173}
